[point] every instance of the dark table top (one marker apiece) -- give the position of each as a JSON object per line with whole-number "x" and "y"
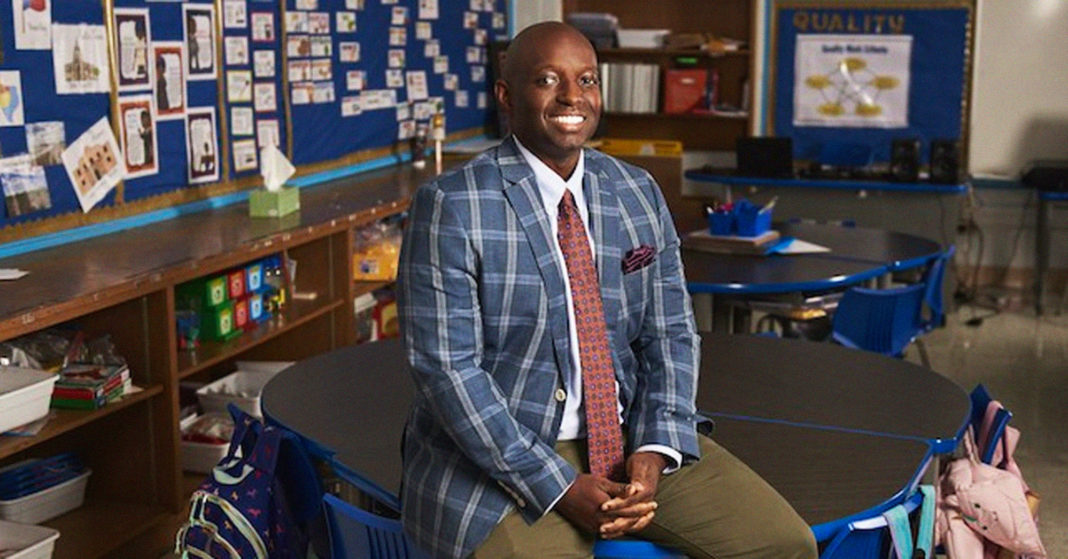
{"x": 853, "y": 444}
{"x": 827, "y": 385}
{"x": 857, "y": 255}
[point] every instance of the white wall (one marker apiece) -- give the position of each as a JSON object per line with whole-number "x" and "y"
{"x": 1019, "y": 108}
{"x": 528, "y": 12}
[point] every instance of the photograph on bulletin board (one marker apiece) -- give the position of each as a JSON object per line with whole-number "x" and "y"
{"x": 80, "y": 58}
{"x": 24, "y": 184}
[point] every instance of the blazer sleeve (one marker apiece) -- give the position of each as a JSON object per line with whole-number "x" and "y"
{"x": 442, "y": 325}
{"x": 667, "y": 350}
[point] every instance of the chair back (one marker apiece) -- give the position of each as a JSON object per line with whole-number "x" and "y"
{"x": 359, "y": 534}
{"x": 870, "y": 538}
{"x": 633, "y": 549}
{"x": 986, "y": 443}
{"x": 933, "y": 278}
{"x": 880, "y": 320}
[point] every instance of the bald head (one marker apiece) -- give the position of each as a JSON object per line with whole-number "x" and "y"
{"x": 523, "y": 52}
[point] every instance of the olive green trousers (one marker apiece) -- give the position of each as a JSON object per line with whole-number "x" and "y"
{"x": 715, "y": 508}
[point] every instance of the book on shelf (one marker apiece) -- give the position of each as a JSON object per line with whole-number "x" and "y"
{"x": 684, "y": 89}
{"x": 89, "y": 386}
{"x": 630, "y": 88}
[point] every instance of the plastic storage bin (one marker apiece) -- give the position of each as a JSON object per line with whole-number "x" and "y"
{"x": 197, "y": 456}
{"x": 24, "y": 395}
{"x": 48, "y": 503}
{"x": 25, "y": 541}
{"x": 243, "y": 388}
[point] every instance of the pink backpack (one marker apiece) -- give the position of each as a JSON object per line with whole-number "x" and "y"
{"x": 985, "y": 510}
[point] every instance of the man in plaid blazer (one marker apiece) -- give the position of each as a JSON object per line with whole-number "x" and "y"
{"x": 494, "y": 452}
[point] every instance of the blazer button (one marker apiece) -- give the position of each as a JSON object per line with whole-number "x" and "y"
{"x": 521, "y": 502}
{"x": 560, "y": 395}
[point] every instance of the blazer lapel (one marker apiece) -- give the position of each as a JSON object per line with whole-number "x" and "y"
{"x": 604, "y": 224}
{"x": 521, "y": 191}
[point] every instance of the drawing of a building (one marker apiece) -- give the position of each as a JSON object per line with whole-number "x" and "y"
{"x": 78, "y": 70}
{"x": 96, "y": 161}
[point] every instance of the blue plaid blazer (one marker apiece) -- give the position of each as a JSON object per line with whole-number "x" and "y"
{"x": 484, "y": 318}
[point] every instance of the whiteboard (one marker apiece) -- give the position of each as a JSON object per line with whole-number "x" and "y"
{"x": 1019, "y": 108}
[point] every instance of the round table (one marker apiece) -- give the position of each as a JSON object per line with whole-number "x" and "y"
{"x": 838, "y": 432}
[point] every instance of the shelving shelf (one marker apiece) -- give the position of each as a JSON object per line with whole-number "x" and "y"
{"x": 99, "y": 527}
{"x": 68, "y": 420}
{"x": 123, "y": 284}
{"x": 638, "y": 52}
{"x": 295, "y": 314}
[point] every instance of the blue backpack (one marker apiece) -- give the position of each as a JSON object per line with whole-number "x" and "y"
{"x": 243, "y": 510}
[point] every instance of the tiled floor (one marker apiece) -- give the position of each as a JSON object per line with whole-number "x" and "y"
{"x": 1023, "y": 361}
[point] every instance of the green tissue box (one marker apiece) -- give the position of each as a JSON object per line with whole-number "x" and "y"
{"x": 264, "y": 203}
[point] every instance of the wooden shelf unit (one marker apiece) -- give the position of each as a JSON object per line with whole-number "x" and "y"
{"x": 727, "y": 18}
{"x": 122, "y": 284}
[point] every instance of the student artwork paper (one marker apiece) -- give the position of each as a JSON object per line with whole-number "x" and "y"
{"x": 423, "y": 30}
{"x": 137, "y": 129}
{"x": 428, "y": 9}
{"x": 170, "y": 79}
{"x": 201, "y": 142}
{"x": 245, "y": 158}
{"x": 417, "y": 89}
{"x": 235, "y": 14}
{"x": 46, "y": 142}
{"x": 92, "y": 163}
{"x": 80, "y": 58}
{"x": 242, "y": 121}
{"x": 349, "y": 51}
{"x": 267, "y": 133}
{"x": 354, "y": 80}
{"x": 265, "y": 98}
{"x": 296, "y": 22}
{"x": 236, "y": 49}
{"x": 199, "y": 30}
{"x": 263, "y": 63}
{"x": 132, "y": 40}
{"x": 239, "y": 86}
{"x": 346, "y": 22}
{"x": 33, "y": 24}
{"x": 11, "y": 99}
{"x": 263, "y": 27}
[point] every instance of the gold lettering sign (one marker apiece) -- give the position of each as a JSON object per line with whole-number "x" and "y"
{"x": 867, "y": 23}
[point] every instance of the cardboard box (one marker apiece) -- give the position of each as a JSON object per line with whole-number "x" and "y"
{"x": 264, "y": 203}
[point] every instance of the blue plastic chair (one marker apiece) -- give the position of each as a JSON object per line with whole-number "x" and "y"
{"x": 980, "y": 400}
{"x": 884, "y": 321}
{"x": 870, "y": 538}
{"x": 358, "y": 534}
{"x": 633, "y": 549}
{"x": 933, "y": 278}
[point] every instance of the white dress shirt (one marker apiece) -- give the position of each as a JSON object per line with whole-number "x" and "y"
{"x": 551, "y": 186}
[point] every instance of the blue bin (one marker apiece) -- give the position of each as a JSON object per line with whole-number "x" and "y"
{"x": 752, "y": 222}
{"x": 721, "y": 223}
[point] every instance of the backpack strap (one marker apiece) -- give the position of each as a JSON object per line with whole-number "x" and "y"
{"x": 925, "y": 532}
{"x": 897, "y": 519}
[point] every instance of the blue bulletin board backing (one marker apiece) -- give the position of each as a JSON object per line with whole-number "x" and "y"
{"x": 937, "y": 72}
{"x": 317, "y": 136}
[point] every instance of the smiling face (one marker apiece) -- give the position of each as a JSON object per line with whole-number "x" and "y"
{"x": 551, "y": 93}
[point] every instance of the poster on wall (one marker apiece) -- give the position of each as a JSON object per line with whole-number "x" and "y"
{"x": 132, "y": 38}
{"x": 46, "y": 141}
{"x": 25, "y": 186}
{"x": 201, "y": 142}
{"x": 267, "y": 133}
{"x": 33, "y": 24}
{"x": 92, "y": 163}
{"x": 170, "y": 79}
{"x": 137, "y": 128}
{"x": 198, "y": 21}
{"x": 852, "y": 81}
{"x": 11, "y": 98}
{"x": 245, "y": 158}
{"x": 80, "y": 58}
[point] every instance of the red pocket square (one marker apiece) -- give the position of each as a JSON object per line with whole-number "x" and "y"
{"x": 638, "y": 258}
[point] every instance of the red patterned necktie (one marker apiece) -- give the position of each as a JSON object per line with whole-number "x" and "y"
{"x": 603, "y": 434}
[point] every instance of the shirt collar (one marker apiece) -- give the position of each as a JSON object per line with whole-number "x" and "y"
{"x": 552, "y": 185}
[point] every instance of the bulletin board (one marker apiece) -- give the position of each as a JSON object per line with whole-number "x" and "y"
{"x": 869, "y": 73}
{"x": 159, "y": 102}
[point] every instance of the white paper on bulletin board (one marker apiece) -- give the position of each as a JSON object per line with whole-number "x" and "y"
{"x": 854, "y": 81}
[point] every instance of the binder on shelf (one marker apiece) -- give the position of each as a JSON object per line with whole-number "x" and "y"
{"x": 684, "y": 89}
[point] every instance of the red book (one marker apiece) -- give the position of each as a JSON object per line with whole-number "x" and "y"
{"x": 684, "y": 90}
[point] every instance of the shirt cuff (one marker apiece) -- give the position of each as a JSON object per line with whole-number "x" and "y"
{"x": 552, "y": 505}
{"x": 674, "y": 457}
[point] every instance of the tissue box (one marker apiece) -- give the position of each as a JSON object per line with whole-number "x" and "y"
{"x": 264, "y": 203}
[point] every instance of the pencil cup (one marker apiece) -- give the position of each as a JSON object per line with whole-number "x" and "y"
{"x": 753, "y": 222}
{"x": 721, "y": 223}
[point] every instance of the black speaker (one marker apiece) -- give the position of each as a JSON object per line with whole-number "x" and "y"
{"x": 946, "y": 166}
{"x": 905, "y": 160}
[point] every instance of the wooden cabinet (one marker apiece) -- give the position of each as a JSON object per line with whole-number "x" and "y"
{"x": 725, "y": 18}
{"x": 123, "y": 285}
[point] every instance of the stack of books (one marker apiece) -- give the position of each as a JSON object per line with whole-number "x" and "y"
{"x": 630, "y": 88}
{"x": 703, "y": 240}
{"x": 84, "y": 386}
